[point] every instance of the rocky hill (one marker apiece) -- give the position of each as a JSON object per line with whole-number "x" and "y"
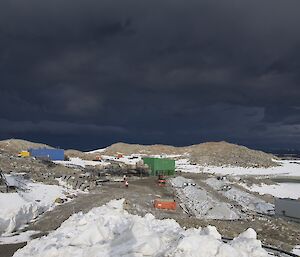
{"x": 14, "y": 146}
{"x": 83, "y": 155}
{"x": 226, "y": 154}
{"x": 211, "y": 153}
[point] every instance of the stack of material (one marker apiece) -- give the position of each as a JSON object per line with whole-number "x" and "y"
{"x": 168, "y": 204}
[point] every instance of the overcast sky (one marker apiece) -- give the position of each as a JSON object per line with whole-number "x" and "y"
{"x": 88, "y": 73}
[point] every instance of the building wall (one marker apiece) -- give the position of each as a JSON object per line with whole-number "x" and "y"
{"x": 287, "y": 207}
{"x": 52, "y": 154}
{"x": 160, "y": 166}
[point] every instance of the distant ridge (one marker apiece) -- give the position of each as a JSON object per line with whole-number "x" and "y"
{"x": 210, "y": 153}
{"x": 14, "y": 146}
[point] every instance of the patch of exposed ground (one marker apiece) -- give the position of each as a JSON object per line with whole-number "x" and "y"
{"x": 38, "y": 170}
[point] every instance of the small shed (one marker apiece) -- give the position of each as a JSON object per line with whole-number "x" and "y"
{"x": 48, "y": 153}
{"x": 160, "y": 166}
{"x": 287, "y": 207}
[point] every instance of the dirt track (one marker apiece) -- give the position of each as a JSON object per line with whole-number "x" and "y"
{"x": 139, "y": 196}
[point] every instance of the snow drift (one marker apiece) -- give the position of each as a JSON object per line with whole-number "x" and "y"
{"x": 17, "y": 209}
{"x": 111, "y": 231}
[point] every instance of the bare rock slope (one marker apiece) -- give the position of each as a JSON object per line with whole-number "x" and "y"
{"x": 14, "y": 146}
{"x": 211, "y": 153}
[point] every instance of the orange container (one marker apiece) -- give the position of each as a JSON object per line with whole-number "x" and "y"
{"x": 168, "y": 204}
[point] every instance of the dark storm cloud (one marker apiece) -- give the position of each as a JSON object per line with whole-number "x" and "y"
{"x": 175, "y": 72}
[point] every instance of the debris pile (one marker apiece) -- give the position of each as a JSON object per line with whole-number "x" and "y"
{"x": 246, "y": 200}
{"x": 201, "y": 204}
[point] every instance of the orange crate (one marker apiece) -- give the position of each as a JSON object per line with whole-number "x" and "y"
{"x": 165, "y": 204}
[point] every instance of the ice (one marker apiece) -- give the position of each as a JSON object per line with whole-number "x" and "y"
{"x": 111, "y": 231}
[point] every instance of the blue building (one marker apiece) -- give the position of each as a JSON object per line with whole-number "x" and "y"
{"x": 51, "y": 154}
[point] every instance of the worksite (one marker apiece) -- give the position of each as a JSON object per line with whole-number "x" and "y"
{"x": 168, "y": 186}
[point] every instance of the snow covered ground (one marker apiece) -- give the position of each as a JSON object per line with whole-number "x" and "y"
{"x": 184, "y": 165}
{"x": 127, "y": 159}
{"x": 281, "y": 190}
{"x": 111, "y": 231}
{"x": 200, "y": 203}
{"x": 80, "y": 162}
{"x": 244, "y": 199}
{"x": 296, "y": 250}
{"x": 286, "y": 168}
{"x": 17, "y": 209}
{"x": 97, "y": 150}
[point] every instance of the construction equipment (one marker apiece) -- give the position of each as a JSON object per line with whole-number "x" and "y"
{"x": 168, "y": 204}
{"x": 161, "y": 180}
{"x": 24, "y": 154}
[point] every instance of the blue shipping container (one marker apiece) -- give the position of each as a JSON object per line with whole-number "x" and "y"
{"x": 52, "y": 154}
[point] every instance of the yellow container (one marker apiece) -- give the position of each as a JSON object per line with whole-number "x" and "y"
{"x": 24, "y": 154}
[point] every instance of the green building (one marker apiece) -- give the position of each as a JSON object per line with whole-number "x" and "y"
{"x": 160, "y": 166}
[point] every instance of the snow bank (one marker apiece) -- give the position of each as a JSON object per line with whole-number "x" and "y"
{"x": 19, "y": 208}
{"x": 281, "y": 190}
{"x": 200, "y": 203}
{"x": 111, "y": 231}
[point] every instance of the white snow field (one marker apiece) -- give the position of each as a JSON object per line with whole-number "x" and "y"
{"x": 281, "y": 190}
{"x": 76, "y": 161}
{"x": 200, "y": 203}
{"x": 111, "y": 231}
{"x": 244, "y": 199}
{"x": 17, "y": 209}
{"x": 286, "y": 168}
